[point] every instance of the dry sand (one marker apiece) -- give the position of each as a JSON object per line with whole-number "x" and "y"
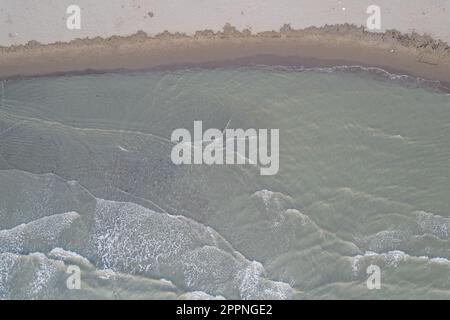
{"x": 45, "y": 20}
{"x": 412, "y": 54}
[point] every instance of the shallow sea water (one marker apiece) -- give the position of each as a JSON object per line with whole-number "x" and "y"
{"x": 86, "y": 179}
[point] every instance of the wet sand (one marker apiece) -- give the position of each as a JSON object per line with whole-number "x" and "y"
{"x": 411, "y": 54}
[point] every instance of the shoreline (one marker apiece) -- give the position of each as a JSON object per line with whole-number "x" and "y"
{"x": 409, "y": 54}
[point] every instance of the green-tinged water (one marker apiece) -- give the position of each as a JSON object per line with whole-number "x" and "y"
{"x": 87, "y": 179}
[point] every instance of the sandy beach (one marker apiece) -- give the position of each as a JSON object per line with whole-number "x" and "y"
{"x": 136, "y": 35}
{"x": 411, "y": 54}
{"x": 45, "y": 20}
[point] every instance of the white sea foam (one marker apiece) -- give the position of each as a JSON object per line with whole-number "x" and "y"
{"x": 434, "y": 224}
{"x": 106, "y": 274}
{"x": 199, "y": 295}
{"x": 391, "y": 259}
{"x": 386, "y": 240}
{"x": 40, "y": 279}
{"x": 8, "y": 262}
{"x": 253, "y": 284}
{"x": 45, "y": 273}
{"x": 68, "y": 256}
{"x": 44, "y": 231}
{"x": 136, "y": 240}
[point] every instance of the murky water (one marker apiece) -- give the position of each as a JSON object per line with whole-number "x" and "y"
{"x": 86, "y": 179}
